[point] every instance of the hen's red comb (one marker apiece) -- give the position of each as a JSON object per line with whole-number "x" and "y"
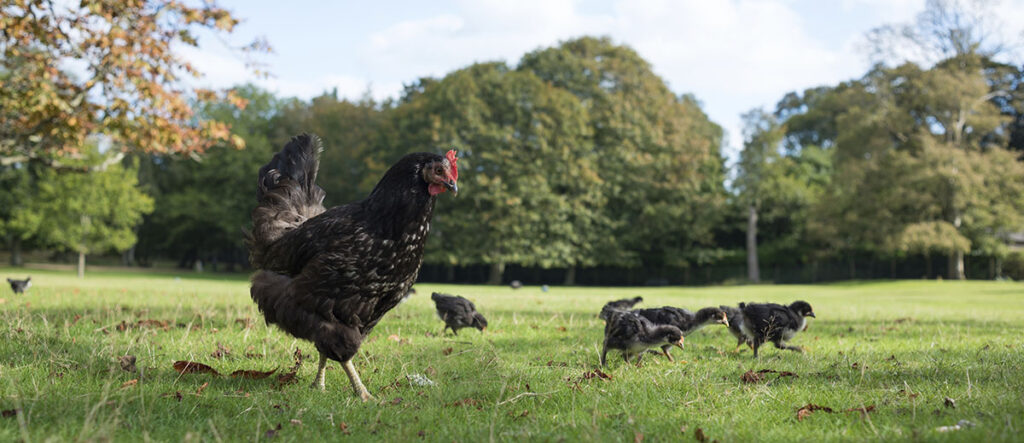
{"x": 452, "y": 159}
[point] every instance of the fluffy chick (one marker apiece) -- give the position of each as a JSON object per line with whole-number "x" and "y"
{"x": 776, "y": 323}
{"x": 684, "y": 319}
{"x": 457, "y": 312}
{"x": 633, "y": 334}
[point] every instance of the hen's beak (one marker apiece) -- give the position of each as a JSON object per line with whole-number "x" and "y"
{"x": 811, "y": 314}
{"x": 452, "y": 186}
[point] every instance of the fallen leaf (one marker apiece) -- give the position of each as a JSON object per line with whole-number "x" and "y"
{"x": 699, "y": 435}
{"x": 177, "y": 395}
{"x": 271, "y": 433}
{"x": 394, "y": 337}
{"x": 601, "y": 374}
{"x": 8, "y": 413}
{"x": 190, "y": 367}
{"x": 295, "y": 422}
{"x": 344, "y": 428}
{"x": 751, "y": 377}
{"x": 285, "y": 379}
{"x": 446, "y": 351}
{"x": 397, "y": 401}
{"x": 252, "y": 374}
{"x": 422, "y": 433}
{"x": 638, "y": 437}
{"x": 127, "y": 363}
{"x": 562, "y": 329}
{"x": 221, "y": 352}
{"x": 202, "y": 388}
{"x": 245, "y": 322}
{"x": 949, "y": 402}
{"x": 807, "y": 409}
{"x": 130, "y": 383}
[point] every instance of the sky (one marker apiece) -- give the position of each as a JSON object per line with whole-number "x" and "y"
{"x": 733, "y": 55}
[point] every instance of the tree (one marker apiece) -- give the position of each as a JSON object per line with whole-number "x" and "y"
{"x": 71, "y": 70}
{"x": 17, "y": 223}
{"x": 529, "y": 181}
{"x": 203, "y": 202}
{"x": 657, "y": 155}
{"x": 90, "y": 212}
{"x": 757, "y": 175}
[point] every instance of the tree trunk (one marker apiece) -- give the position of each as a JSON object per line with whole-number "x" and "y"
{"x": 955, "y": 270}
{"x": 81, "y": 265}
{"x": 497, "y": 271}
{"x": 16, "y": 252}
{"x": 570, "y": 276}
{"x": 753, "y": 269}
{"x": 128, "y": 258}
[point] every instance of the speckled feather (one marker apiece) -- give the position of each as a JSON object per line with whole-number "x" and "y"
{"x": 328, "y": 276}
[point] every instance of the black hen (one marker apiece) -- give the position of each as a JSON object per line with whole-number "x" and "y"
{"x": 736, "y": 326}
{"x": 457, "y": 312}
{"x": 687, "y": 321}
{"x": 328, "y": 276}
{"x": 624, "y": 304}
{"x": 633, "y": 335}
{"x": 775, "y": 323}
{"x": 20, "y": 286}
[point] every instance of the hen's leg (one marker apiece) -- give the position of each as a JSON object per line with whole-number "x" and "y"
{"x": 318, "y": 382}
{"x": 357, "y": 384}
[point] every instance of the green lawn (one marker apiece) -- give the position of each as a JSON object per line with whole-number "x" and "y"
{"x": 901, "y": 347}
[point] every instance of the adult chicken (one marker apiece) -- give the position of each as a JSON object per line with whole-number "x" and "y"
{"x": 328, "y": 276}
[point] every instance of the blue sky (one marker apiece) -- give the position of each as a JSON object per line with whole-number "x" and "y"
{"x": 734, "y": 55}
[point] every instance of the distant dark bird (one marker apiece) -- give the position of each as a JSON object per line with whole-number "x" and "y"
{"x": 457, "y": 312}
{"x": 329, "y": 275}
{"x": 687, "y": 321}
{"x": 516, "y": 284}
{"x": 736, "y": 326}
{"x": 20, "y": 286}
{"x": 624, "y": 304}
{"x": 633, "y": 335}
{"x": 775, "y": 323}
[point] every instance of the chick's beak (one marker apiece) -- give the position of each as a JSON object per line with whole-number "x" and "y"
{"x": 725, "y": 321}
{"x": 679, "y": 343}
{"x": 811, "y": 314}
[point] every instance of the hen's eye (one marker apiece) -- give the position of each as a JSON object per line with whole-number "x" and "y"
{"x": 438, "y": 171}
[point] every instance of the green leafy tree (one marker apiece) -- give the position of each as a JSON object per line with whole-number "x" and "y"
{"x": 90, "y": 212}
{"x": 529, "y": 182}
{"x": 657, "y": 155}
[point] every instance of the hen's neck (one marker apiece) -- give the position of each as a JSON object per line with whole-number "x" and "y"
{"x": 400, "y": 208}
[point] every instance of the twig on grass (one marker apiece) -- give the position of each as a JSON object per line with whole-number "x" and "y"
{"x": 525, "y": 394}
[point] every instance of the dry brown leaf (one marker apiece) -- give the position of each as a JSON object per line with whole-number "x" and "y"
{"x": 295, "y": 422}
{"x": 751, "y": 377}
{"x": 8, "y": 413}
{"x": 191, "y": 367}
{"x": 638, "y": 437}
{"x": 344, "y": 428}
{"x": 285, "y": 379}
{"x": 446, "y": 351}
{"x": 271, "y": 433}
{"x": 130, "y": 383}
{"x": 127, "y": 363}
{"x": 252, "y": 374}
{"x": 202, "y": 388}
{"x": 699, "y": 435}
{"x": 221, "y": 352}
{"x": 809, "y": 408}
{"x": 394, "y": 337}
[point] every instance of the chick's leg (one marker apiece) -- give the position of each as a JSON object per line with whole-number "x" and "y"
{"x": 357, "y": 384}
{"x": 318, "y": 382}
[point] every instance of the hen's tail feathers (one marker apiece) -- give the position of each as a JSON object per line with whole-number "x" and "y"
{"x": 286, "y": 193}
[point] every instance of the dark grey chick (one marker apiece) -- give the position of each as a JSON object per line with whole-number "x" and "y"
{"x": 764, "y": 322}
{"x": 457, "y": 312}
{"x": 20, "y": 286}
{"x": 633, "y": 334}
{"x": 736, "y": 326}
{"x": 684, "y": 319}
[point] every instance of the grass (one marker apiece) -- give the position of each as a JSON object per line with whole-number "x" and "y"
{"x": 902, "y": 347}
